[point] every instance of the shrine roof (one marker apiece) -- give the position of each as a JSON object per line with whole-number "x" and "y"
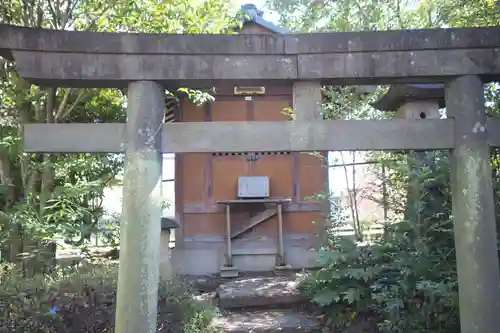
{"x": 254, "y": 15}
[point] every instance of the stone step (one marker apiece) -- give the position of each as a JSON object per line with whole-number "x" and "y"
{"x": 268, "y": 292}
{"x": 267, "y": 321}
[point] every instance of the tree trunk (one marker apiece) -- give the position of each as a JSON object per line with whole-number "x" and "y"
{"x": 357, "y": 232}
{"x": 47, "y": 249}
{"x": 13, "y": 247}
{"x": 41, "y": 253}
{"x": 355, "y": 198}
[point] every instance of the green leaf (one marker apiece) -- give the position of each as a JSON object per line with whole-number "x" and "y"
{"x": 326, "y": 297}
{"x": 352, "y": 295}
{"x": 329, "y": 257}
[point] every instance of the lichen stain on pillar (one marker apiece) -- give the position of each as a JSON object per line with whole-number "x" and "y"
{"x": 478, "y": 127}
{"x": 474, "y": 166}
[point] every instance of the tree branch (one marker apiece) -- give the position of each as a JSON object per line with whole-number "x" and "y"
{"x": 62, "y": 105}
{"x": 73, "y": 105}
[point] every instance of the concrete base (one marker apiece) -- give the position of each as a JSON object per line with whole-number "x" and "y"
{"x": 282, "y": 270}
{"x": 206, "y": 256}
{"x": 229, "y": 272}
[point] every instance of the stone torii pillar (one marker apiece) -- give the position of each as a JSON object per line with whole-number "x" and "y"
{"x": 473, "y": 208}
{"x": 140, "y": 230}
{"x": 308, "y": 106}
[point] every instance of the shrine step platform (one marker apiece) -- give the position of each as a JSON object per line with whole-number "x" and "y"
{"x": 263, "y": 305}
{"x": 260, "y": 292}
{"x": 267, "y": 321}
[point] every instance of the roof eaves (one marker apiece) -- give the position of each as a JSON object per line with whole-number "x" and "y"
{"x": 268, "y": 25}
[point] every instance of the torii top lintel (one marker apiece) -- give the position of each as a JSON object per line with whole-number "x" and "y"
{"x": 102, "y": 59}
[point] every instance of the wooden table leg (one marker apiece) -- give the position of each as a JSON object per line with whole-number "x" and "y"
{"x": 281, "y": 248}
{"x": 229, "y": 258}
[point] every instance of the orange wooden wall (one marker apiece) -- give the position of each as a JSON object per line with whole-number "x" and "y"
{"x": 202, "y": 179}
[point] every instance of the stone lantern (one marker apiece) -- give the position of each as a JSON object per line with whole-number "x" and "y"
{"x": 414, "y": 102}
{"x": 167, "y": 225}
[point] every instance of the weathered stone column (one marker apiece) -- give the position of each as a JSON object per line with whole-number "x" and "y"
{"x": 138, "y": 277}
{"x": 307, "y": 101}
{"x": 473, "y": 209}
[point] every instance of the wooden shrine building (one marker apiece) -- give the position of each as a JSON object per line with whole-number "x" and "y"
{"x": 207, "y": 187}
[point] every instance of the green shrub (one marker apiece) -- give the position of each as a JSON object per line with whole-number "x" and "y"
{"x": 406, "y": 284}
{"x": 82, "y": 300}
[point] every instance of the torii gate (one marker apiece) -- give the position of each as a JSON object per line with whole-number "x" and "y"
{"x": 463, "y": 59}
